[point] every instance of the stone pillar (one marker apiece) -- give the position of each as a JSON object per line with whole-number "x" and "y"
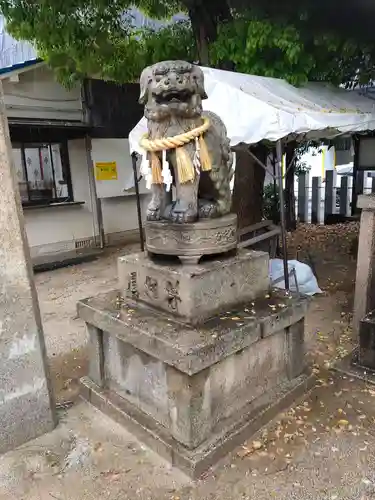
{"x": 364, "y": 299}
{"x": 26, "y": 405}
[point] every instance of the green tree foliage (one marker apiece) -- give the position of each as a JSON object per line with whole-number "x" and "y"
{"x": 280, "y": 49}
{"x": 96, "y": 38}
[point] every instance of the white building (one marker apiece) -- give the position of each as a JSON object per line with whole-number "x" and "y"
{"x": 66, "y": 188}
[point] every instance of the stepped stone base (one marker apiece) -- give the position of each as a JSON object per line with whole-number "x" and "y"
{"x": 195, "y": 462}
{"x": 193, "y": 393}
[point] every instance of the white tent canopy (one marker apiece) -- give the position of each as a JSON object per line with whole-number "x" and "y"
{"x": 256, "y": 108}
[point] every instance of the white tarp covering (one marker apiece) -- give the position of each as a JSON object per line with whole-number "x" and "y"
{"x": 306, "y": 281}
{"x": 345, "y": 169}
{"x": 256, "y": 108}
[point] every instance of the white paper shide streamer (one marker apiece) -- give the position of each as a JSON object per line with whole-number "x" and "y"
{"x": 197, "y": 156}
{"x": 166, "y": 173}
{"x": 231, "y": 184}
{"x": 145, "y": 169}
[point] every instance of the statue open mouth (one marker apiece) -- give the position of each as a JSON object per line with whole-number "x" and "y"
{"x": 171, "y": 96}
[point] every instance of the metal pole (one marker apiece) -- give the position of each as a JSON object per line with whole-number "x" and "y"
{"x": 24, "y": 164}
{"x": 53, "y": 170}
{"x": 355, "y": 175}
{"x": 275, "y": 188}
{"x": 279, "y": 157}
{"x": 139, "y": 212}
{"x": 94, "y": 194}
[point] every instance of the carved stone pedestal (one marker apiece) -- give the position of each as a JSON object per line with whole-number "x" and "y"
{"x": 197, "y": 292}
{"x": 194, "y": 393}
{"x": 191, "y": 241}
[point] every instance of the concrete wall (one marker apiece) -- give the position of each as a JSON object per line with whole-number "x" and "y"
{"x": 35, "y": 94}
{"x": 55, "y": 229}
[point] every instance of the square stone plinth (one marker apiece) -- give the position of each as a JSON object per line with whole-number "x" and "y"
{"x": 195, "y": 391}
{"x": 364, "y": 297}
{"x": 194, "y": 293}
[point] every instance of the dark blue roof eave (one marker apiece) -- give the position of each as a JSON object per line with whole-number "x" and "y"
{"x": 21, "y": 65}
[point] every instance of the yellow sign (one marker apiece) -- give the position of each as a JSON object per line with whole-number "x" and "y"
{"x": 106, "y": 171}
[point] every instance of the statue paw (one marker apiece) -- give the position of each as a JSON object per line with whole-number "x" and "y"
{"x": 207, "y": 209}
{"x": 177, "y": 217}
{"x": 181, "y": 213}
{"x": 153, "y": 215}
{"x": 183, "y": 217}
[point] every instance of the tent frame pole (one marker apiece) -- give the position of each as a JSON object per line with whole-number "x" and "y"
{"x": 279, "y": 176}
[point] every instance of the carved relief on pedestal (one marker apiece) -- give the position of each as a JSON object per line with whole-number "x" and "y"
{"x": 151, "y": 287}
{"x": 173, "y": 295}
{"x": 226, "y": 235}
{"x": 132, "y": 290}
{"x": 219, "y": 236}
{"x": 201, "y": 238}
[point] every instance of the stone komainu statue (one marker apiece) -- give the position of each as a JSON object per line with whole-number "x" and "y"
{"x": 182, "y": 136}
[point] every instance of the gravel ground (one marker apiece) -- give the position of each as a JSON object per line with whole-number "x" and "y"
{"x": 321, "y": 449}
{"x": 60, "y": 290}
{"x": 65, "y": 334}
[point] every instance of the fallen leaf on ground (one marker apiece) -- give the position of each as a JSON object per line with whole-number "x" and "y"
{"x": 112, "y": 475}
{"x": 244, "y": 452}
{"x": 257, "y": 445}
{"x": 342, "y": 423}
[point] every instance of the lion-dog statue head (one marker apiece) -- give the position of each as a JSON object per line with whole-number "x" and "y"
{"x": 172, "y": 88}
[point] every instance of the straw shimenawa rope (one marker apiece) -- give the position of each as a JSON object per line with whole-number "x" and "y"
{"x": 175, "y": 141}
{"x": 185, "y": 167}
